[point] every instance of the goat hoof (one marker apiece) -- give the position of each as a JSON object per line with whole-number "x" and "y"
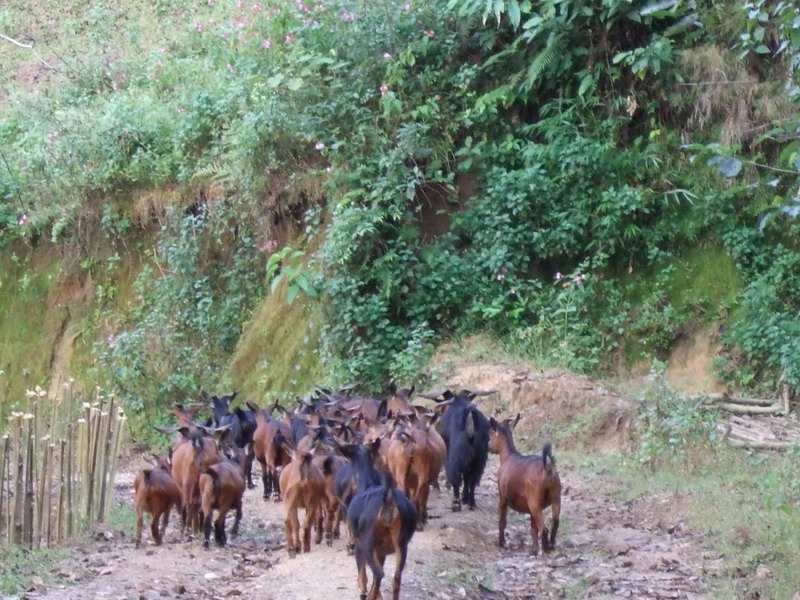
{"x": 420, "y": 526}
{"x": 456, "y": 506}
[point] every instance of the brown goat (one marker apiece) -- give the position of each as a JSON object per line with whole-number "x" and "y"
{"x": 222, "y": 488}
{"x": 332, "y": 511}
{"x": 303, "y": 486}
{"x": 270, "y": 442}
{"x": 528, "y": 484}
{"x": 156, "y": 493}
{"x": 415, "y": 458}
{"x": 192, "y": 456}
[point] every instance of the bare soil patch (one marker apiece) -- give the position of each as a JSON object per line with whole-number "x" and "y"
{"x": 606, "y": 549}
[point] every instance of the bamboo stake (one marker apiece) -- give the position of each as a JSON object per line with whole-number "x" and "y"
{"x": 20, "y": 458}
{"x": 80, "y": 454}
{"x": 44, "y": 490}
{"x": 106, "y": 460}
{"x": 3, "y": 487}
{"x": 70, "y": 478}
{"x": 119, "y": 431}
{"x": 90, "y": 499}
{"x": 48, "y": 499}
{"x": 62, "y": 494}
{"x": 30, "y": 499}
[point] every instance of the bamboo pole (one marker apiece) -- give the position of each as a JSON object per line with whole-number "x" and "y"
{"x": 107, "y": 458}
{"x": 44, "y": 491}
{"x": 92, "y": 476}
{"x": 3, "y": 470}
{"x": 119, "y": 431}
{"x": 81, "y": 453}
{"x": 18, "y": 482}
{"x": 30, "y": 498}
{"x": 70, "y": 479}
{"x": 48, "y": 499}
{"x": 62, "y": 493}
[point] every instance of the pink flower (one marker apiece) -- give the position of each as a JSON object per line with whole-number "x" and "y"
{"x": 181, "y": 110}
{"x": 112, "y": 341}
{"x": 114, "y": 85}
{"x": 319, "y": 146}
{"x": 328, "y": 169}
{"x": 387, "y": 55}
{"x": 407, "y": 7}
{"x": 239, "y": 3}
{"x": 266, "y": 43}
{"x": 513, "y": 291}
{"x": 384, "y": 89}
{"x": 230, "y": 68}
{"x": 580, "y": 278}
{"x": 256, "y": 7}
{"x": 198, "y": 26}
{"x": 429, "y": 33}
{"x": 500, "y": 277}
{"x": 159, "y": 64}
{"x": 23, "y": 219}
{"x": 287, "y": 39}
{"x": 558, "y": 276}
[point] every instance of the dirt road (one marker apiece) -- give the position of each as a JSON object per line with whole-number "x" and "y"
{"x": 606, "y": 549}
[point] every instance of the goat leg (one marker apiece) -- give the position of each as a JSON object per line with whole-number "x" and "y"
{"x": 139, "y": 525}
{"x": 537, "y": 525}
{"x": 502, "y": 509}
{"x": 238, "y": 517}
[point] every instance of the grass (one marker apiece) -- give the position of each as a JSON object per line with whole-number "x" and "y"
{"x": 277, "y": 357}
{"x": 20, "y": 565}
{"x": 747, "y": 505}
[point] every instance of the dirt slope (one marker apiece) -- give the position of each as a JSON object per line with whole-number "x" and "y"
{"x": 607, "y": 549}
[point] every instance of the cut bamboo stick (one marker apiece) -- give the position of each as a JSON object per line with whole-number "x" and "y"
{"x": 30, "y": 498}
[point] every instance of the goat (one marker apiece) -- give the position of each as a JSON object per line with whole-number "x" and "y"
{"x": 303, "y": 486}
{"x": 415, "y": 457}
{"x": 528, "y": 484}
{"x": 222, "y": 488}
{"x": 156, "y": 493}
{"x": 193, "y": 456}
{"x": 381, "y": 520}
{"x": 465, "y": 431}
{"x": 332, "y": 513}
{"x": 242, "y": 427}
{"x": 270, "y": 442}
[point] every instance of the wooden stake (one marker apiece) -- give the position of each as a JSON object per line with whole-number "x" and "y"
{"x": 30, "y": 498}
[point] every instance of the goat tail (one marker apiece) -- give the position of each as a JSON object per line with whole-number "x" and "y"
{"x": 146, "y": 477}
{"x": 547, "y": 450}
{"x": 215, "y": 482}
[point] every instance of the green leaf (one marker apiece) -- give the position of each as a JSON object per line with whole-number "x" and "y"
{"x": 294, "y": 84}
{"x": 514, "y": 14}
{"x": 292, "y": 293}
{"x": 275, "y": 283}
{"x": 762, "y": 49}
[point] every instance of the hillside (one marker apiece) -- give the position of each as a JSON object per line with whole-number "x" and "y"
{"x": 268, "y": 196}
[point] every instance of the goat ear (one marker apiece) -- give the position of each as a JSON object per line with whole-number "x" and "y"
{"x": 392, "y": 388}
{"x": 233, "y": 395}
{"x": 493, "y": 423}
{"x": 412, "y": 390}
{"x": 516, "y": 420}
{"x": 252, "y": 407}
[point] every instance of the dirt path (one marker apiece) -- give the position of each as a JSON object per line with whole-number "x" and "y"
{"x": 607, "y": 549}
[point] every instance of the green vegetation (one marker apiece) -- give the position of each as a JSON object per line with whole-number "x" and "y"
{"x": 20, "y": 565}
{"x": 212, "y": 136}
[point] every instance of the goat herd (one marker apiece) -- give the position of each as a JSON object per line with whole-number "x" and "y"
{"x": 339, "y": 456}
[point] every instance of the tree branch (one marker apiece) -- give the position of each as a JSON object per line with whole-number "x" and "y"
{"x": 29, "y": 47}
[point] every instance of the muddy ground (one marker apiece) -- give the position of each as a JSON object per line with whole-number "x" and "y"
{"x": 606, "y": 549}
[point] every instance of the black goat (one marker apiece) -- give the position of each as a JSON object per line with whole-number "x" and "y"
{"x": 381, "y": 520}
{"x": 465, "y": 431}
{"x": 242, "y": 427}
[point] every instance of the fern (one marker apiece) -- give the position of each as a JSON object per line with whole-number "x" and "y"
{"x": 215, "y": 171}
{"x": 539, "y": 65}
